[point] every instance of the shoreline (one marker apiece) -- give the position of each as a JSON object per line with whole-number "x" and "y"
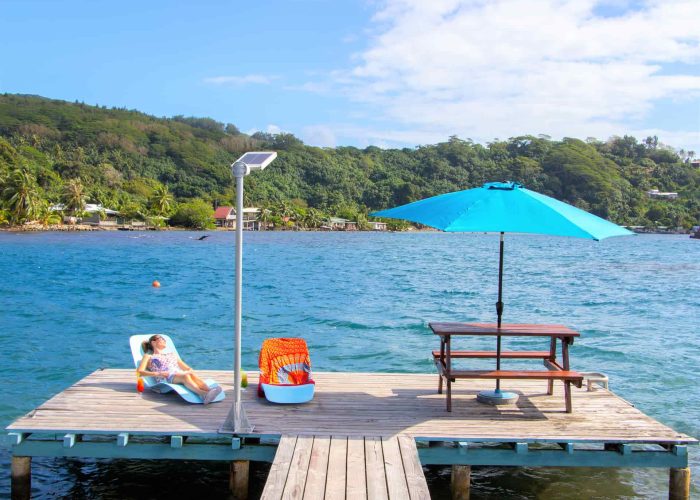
{"x": 77, "y": 228}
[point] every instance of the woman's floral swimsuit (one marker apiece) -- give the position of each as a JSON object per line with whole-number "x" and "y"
{"x": 166, "y": 362}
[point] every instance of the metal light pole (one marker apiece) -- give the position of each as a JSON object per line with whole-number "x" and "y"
{"x": 237, "y": 418}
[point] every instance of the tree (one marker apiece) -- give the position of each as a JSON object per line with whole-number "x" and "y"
{"x": 74, "y": 197}
{"x": 265, "y": 218}
{"x": 45, "y": 216}
{"x": 313, "y": 218}
{"x": 161, "y": 200}
{"x": 22, "y": 195}
{"x": 195, "y": 214}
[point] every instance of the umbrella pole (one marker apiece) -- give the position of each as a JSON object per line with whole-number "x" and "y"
{"x": 499, "y": 311}
{"x": 498, "y": 397}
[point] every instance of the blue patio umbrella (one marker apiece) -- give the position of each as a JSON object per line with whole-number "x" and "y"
{"x": 504, "y": 207}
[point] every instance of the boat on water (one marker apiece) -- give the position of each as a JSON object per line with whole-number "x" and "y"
{"x": 695, "y": 232}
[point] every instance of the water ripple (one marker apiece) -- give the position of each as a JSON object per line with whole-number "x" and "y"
{"x": 363, "y": 302}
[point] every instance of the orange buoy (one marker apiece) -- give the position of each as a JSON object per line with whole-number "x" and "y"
{"x": 156, "y": 284}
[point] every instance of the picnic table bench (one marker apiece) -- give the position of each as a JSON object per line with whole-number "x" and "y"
{"x": 555, "y": 370}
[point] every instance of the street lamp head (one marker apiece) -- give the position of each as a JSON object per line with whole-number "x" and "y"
{"x": 254, "y": 160}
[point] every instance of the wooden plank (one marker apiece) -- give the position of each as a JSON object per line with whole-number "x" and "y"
{"x": 415, "y": 479}
{"x": 336, "y": 479}
{"x": 357, "y": 476}
{"x": 376, "y": 472}
{"x": 493, "y": 354}
{"x": 524, "y": 330}
{"x": 277, "y": 477}
{"x": 318, "y": 469}
{"x": 395, "y": 475}
{"x": 298, "y": 469}
{"x": 376, "y": 404}
{"x": 517, "y": 374}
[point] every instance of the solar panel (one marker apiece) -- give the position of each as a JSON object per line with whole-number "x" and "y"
{"x": 258, "y": 159}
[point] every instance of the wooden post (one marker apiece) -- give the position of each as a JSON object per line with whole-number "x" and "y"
{"x": 21, "y": 478}
{"x": 461, "y": 476}
{"x": 238, "y": 480}
{"x": 679, "y": 484}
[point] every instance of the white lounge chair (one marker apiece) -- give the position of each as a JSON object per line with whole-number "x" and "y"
{"x": 135, "y": 342}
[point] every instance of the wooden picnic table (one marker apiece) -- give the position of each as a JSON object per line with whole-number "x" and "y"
{"x": 555, "y": 370}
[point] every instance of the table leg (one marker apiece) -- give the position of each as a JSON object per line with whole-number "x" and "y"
{"x": 565, "y": 353}
{"x": 565, "y": 362}
{"x": 442, "y": 362}
{"x": 552, "y": 357}
{"x": 448, "y": 372}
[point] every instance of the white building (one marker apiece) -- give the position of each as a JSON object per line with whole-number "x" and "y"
{"x": 655, "y": 193}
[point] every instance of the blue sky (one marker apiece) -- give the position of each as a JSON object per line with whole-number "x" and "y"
{"x": 388, "y": 73}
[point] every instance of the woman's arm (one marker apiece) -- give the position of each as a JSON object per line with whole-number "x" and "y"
{"x": 141, "y": 370}
{"x": 183, "y": 366}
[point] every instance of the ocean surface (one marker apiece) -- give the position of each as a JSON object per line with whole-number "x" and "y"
{"x": 69, "y": 301}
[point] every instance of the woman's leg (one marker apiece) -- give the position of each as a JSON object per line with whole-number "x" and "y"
{"x": 186, "y": 380}
{"x": 200, "y": 383}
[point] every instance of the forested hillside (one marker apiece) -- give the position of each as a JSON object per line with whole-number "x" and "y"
{"x": 57, "y": 152}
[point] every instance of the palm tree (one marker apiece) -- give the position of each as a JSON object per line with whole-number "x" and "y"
{"x": 284, "y": 211}
{"x": 161, "y": 200}
{"x": 264, "y": 218}
{"x": 313, "y": 218}
{"x": 45, "y": 216}
{"x": 22, "y": 194}
{"x": 362, "y": 223}
{"x": 74, "y": 196}
{"x": 4, "y": 217}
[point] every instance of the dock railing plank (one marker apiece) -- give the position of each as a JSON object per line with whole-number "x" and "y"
{"x": 415, "y": 479}
{"x": 276, "y": 479}
{"x": 318, "y": 469}
{"x": 337, "y": 463}
{"x": 356, "y": 474}
{"x": 395, "y": 476}
{"x": 298, "y": 469}
{"x": 376, "y": 475}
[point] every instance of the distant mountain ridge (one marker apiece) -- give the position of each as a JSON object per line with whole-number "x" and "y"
{"x": 123, "y": 157}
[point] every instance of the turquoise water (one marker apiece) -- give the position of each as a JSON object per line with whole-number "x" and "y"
{"x": 363, "y": 302}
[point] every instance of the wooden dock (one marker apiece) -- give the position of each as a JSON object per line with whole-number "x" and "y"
{"x": 103, "y": 416}
{"x": 317, "y": 467}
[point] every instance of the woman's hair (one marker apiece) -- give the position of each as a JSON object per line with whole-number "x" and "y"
{"x": 146, "y": 344}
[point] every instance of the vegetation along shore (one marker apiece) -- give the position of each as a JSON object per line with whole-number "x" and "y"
{"x": 57, "y": 159}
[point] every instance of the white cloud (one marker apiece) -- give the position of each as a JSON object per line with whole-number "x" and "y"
{"x": 502, "y": 68}
{"x": 240, "y": 80}
{"x": 319, "y": 135}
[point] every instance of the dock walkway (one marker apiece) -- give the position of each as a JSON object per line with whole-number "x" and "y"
{"x": 319, "y": 467}
{"x": 102, "y": 416}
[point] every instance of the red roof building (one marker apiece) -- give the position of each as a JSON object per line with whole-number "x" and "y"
{"x": 225, "y": 217}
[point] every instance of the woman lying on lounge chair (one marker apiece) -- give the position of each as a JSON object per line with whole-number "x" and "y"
{"x": 168, "y": 367}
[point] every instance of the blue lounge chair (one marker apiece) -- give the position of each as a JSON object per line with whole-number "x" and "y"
{"x": 135, "y": 342}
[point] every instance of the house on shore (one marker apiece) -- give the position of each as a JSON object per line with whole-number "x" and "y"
{"x": 226, "y": 217}
{"x": 655, "y": 193}
{"x": 96, "y": 215}
{"x": 377, "y": 226}
{"x": 338, "y": 224}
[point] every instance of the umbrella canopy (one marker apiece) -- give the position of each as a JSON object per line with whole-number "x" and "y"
{"x": 504, "y": 207}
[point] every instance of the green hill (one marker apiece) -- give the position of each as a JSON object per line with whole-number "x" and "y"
{"x": 54, "y": 151}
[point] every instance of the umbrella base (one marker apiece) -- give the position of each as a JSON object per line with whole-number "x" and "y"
{"x": 497, "y": 397}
